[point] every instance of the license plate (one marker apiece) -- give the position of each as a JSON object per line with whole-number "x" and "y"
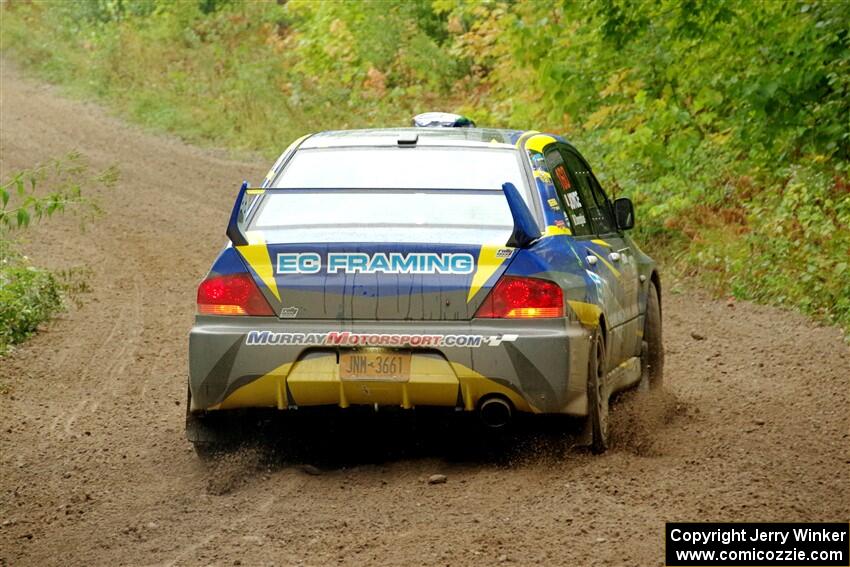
{"x": 386, "y": 365}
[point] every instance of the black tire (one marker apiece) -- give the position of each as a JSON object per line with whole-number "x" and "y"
{"x": 597, "y": 395}
{"x": 206, "y": 432}
{"x": 652, "y": 353}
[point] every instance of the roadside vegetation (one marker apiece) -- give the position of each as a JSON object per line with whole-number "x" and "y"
{"x": 31, "y": 295}
{"x": 728, "y": 126}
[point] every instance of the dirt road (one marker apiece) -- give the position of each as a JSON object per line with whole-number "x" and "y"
{"x": 94, "y": 469}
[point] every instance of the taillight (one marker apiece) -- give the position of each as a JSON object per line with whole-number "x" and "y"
{"x": 523, "y": 298}
{"x": 235, "y": 294}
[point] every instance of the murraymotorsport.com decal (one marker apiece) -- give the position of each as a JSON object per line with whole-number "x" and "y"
{"x": 379, "y": 263}
{"x": 346, "y": 338}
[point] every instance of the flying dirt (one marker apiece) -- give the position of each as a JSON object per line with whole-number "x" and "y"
{"x": 753, "y": 424}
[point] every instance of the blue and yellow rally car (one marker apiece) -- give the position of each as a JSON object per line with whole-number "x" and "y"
{"x": 441, "y": 265}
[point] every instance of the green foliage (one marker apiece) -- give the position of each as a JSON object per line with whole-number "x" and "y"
{"x": 799, "y": 253}
{"x": 20, "y": 204}
{"x": 246, "y": 75}
{"x": 29, "y": 295}
{"x": 727, "y": 125}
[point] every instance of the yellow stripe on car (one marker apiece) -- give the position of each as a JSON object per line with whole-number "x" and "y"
{"x": 588, "y": 313}
{"x": 488, "y": 264}
{"x": 258, "y": 257}
{"x": 552, "y": 230}
{"x": 538, "y": 142}
{"x": 268, "y": 390}
{"x": 314, "y": 380}
{"x": 525, "y": 135}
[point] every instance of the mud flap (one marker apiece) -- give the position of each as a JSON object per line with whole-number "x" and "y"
{"x": 202, "y": 429}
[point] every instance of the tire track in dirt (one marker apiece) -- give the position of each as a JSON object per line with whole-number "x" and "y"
{"x": 94, "y": 469}
{"x": 116, "y": 360}
{"x": 191, "y": 550}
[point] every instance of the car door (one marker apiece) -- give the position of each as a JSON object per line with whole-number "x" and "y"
{"x": 574, "y": 202}
{"x": 615, "y": 260}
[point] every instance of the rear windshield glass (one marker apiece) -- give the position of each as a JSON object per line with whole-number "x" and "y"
{"x": 358, "y": 215}
{"x": 403, "y": 168}
{"x": 390, "y": 208}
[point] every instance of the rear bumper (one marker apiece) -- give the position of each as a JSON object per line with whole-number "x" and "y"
{"x": 541, "y": 365}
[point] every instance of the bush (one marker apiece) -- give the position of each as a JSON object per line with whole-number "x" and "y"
{"x": 28, "y": 295}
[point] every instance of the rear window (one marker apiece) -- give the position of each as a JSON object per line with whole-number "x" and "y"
{"x": 390, "y": 215}
{"x": 403, "y": 168}
{"x": 390, "y": 208}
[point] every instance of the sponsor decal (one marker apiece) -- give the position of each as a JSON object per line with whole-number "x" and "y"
{"x": 289, "y": 313}
{"x": 560, "y": 223}
{"x": 561, "y": 174}
{"x": 573, "y": 200}
{"x": 504, "y": 252}
{"x": 349, "y": 339}
{"x": 378, "y": 263}
{"x": 307, "y": 263}
{"x": 543, "y": 176}
{"x": 554, "y": 204}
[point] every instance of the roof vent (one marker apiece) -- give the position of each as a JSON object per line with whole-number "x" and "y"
{"x": 442, "y": 120}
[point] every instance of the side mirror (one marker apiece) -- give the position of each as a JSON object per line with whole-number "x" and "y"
{"x": 624, "y": 213}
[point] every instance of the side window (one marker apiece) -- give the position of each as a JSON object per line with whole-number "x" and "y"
{"x": 569, "y": 196}
{"x": 603, "y": 203}
{"x": 592, "y": 195}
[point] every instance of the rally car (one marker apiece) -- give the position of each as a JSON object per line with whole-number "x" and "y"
{"x": 481, "y": 270}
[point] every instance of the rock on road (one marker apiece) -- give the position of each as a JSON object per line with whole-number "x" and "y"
{"x": 94, "y": 468}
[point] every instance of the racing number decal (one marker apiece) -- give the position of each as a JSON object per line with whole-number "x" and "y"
{"x": 562, "y": 178}
{"x": 572, "y": 198}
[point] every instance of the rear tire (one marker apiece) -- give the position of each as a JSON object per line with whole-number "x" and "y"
{"x": 205, "y": 431}
{"x": 652, "y": 353}
{"x": 597, "y": 395}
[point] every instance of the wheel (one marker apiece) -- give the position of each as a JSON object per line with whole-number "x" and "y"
{"x": 204, "y": 431}
{"x": 652, "y": 351}
{"x": 597, "y": 395}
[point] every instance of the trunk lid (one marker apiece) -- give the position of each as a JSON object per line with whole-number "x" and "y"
{"x": 377, "y": 281}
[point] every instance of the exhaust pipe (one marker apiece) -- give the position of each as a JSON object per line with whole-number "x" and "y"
{"x": 495, "y": 412}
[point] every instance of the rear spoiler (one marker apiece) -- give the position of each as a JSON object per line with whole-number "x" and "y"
{"x": 525, "y": 227}
{"x": 233, "y": 233}
{"x": 525, "y": 230}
